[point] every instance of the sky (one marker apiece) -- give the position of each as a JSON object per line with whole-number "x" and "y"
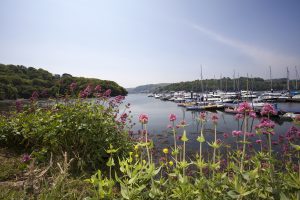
{"x": 136, "y": 42}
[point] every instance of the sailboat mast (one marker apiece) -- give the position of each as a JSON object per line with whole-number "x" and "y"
{"x": 271, "y": 78}
{"x": 288, "y": 78}
{"x": 234, "y": 80}
{"x": 297, "y": 77}
{"x": 247, "y": 84}
{"x": 221, "y": 88}
{"x": 202, "y": 81}
{"x": 238, "y": 82}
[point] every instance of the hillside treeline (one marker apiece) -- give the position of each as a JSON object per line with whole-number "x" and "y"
{"x": 17, "y": 81}
{"x": 228, "y": 84}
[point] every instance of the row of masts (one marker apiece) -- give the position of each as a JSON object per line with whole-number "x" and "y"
{"x": 236, "y": 82}
{"x": 287, "y": 78}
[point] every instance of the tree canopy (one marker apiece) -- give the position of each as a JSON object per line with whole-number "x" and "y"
{"x": 17, "y": 81}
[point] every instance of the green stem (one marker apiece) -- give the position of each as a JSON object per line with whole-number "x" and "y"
{"x": 110, "y": 167}
{"x": 147, "y": 148}
{"x": 200, "y": 155}
{"x": 175, "y": 146}
{"x": 214, "y": 155}
{"x": 244, "y": 143}
{"x": 183, "y": 158}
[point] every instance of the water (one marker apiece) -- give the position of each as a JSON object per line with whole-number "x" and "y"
{"x": 159, "y": 111}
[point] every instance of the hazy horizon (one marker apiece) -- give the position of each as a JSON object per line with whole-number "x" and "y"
{"x": 140, "y": 42}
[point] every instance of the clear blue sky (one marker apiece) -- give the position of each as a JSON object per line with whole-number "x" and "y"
{"x": 136, "y": 42}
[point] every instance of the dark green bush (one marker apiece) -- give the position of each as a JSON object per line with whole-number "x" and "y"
{"x": 83, "y": 129}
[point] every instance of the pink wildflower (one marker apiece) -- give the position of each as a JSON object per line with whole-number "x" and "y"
{"x": 172, "y": 117}
{"x": 143, "y": 118}
{"x": 26, "y": 158}
{"x": 97, "y": 88}
{"x": 258, "y": 141}
{"x": 238, "y": 116}
{"x": 119, "y": 99}
{"x": 252, "y": 115}
{"x": 202, "y": 116}
{"x": 225, "y": 135}
{"x": 268, "y": 109}
{"x": 107, "y": 93}
{"x": 214, "y": 118}
{"x": 124, "y": 117}
{"x": 19, "y": 105}
{"x": 236, "y": 133}
{"x": 244, "y": 108}
{"x": 73, "y": 86}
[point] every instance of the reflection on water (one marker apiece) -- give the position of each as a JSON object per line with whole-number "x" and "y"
{"x": 159, "y": 111}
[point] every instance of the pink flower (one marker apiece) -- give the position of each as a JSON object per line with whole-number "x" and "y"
{"x": 252, "y": 115}
{"x": 123, "y": 117}
{"x": 34, "y": 96}
{"x": 172, "y": 117}
{"x": 143, "y": 118}
{"x": 107, "y": 93}
{"x": 19, "y": 105}
{"x": 182, "y": 123}
{"x": 73, "y": 86}
{"x": 238, "y": 116}
{"x": 169, "y": 126}
{"x": 268, "y": 109}
{"x": 236, "y": 133}
{"x": 266, "y": 126}
{"x": 214, "y": 118}
{"x": 97, "y": 88}
{"x": 244, "y": 108}
{"x": 258, "y": 141}
{"x": 225, "y": 135}
{"x": 119, "y": 99}
{"x": 202, "y": 116}
{"x": 26, "y": 158}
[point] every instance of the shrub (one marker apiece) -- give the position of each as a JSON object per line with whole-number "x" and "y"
{"x": 83, "y": 128}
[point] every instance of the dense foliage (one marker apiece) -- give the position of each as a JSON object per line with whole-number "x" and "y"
{"x": 82, "y": 128}
{"x": 20, "y": 82}
{"x": 228, "y": 84}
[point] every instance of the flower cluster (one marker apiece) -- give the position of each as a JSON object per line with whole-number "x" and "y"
{"x": 266, "y": 126}
{"x": 98, "y": 88}
{"x": 268, "y": 109}
{"x": 238, "y": 116}
{"x": 236, "y": 133}
{"x": 214, "y": 119}
{"x": 172, "y": 117}
{"x": 244, "y": 108}
{"x": 73, "y": 86}
{"x": 143, "y": 118}
{"x": 19, "y": 106}
{"x": 202, "y": 116}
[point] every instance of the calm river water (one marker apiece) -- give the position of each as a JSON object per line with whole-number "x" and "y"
{"x": 159, "y": 111}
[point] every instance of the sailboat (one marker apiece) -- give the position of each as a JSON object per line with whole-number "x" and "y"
{"x": 270, "y": 96}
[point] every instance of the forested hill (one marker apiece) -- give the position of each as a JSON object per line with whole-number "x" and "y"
{"x": 227, "y": 84}
{"x": 147, "y": 88}
{"x": 17, "y": 81}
